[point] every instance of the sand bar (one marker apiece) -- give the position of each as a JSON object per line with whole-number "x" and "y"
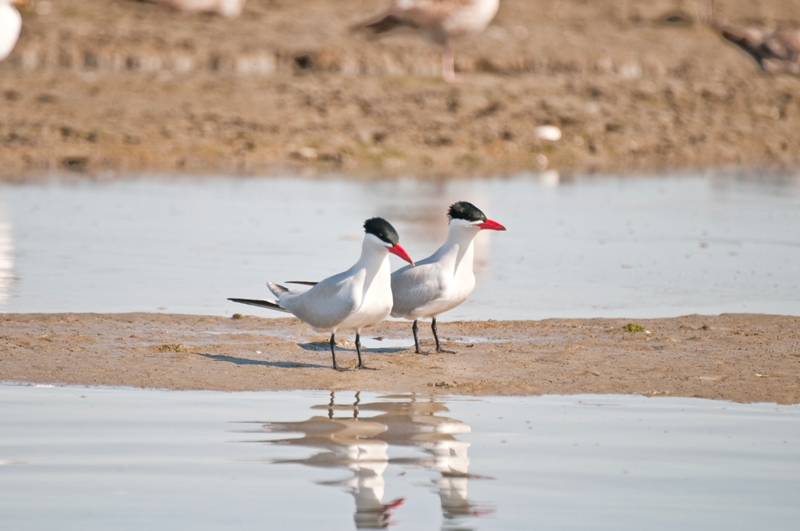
{"x": 738, "y": 357}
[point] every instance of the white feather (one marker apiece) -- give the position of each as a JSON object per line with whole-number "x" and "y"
{"x": 10, "y": 26}
{"x": 440, "y": 282}
{"x": 228, "y": 8}
{"x": 352, "y": 300}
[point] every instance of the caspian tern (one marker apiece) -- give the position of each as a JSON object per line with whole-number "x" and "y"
{"x": 10, "y": 26}
{"x": 439, "y": 21}
{"x": 356, "y": 299}
{"x": 445, "y": 279}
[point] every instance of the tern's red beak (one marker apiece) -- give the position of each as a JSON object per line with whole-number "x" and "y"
{"x": 491, "y": 225}
{"x": 399, "y": 251}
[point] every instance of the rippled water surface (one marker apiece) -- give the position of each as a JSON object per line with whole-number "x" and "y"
{"x": 88, "y": 458}
{"x": 593, "y": 246}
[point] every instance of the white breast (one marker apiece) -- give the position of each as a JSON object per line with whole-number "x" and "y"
{"x": 228, "y": 8}
{"x": 470, "y": 19}
{"x": 10, "y": 25}
{"x": 376, "y": 301}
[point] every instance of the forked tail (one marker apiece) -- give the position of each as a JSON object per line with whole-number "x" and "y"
{"x": 262, "y": 304}
{"x": 277, "y": 289}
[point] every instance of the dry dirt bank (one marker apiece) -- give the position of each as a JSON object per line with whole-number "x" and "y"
{"x": 736, "y": 357}
{"x": 115, "y": 86}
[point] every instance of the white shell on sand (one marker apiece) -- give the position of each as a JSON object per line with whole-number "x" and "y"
{"x": 548, "y": 132}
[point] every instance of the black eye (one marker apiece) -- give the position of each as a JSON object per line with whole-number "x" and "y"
{"x": 382, "y": 229}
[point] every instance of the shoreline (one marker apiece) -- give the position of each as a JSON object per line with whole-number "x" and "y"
{"x": 110, "y": 88}
{"x": 736, "y": 357}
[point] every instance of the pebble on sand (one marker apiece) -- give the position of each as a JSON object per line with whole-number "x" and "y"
{"x": 548, "y": 132}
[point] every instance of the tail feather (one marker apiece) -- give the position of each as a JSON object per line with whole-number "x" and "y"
{"x": 382, "y": 24}
{"x": 260, "y": 303}
{"x": 302, "y": 282}
{"x": 277, "y": 289}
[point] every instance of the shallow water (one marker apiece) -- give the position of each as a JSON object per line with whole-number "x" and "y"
{"x": 594, "y": 246}
{"x": 88, "y": 458}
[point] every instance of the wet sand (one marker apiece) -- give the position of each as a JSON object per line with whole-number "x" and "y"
{"x": 738, "y": 357}
{"x": 110, "y": 87}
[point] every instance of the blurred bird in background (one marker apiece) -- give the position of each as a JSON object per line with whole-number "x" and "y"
{"x": 439, "y": 21}
{"x": 774, "y": 50}
{"x": 10, "y": 26}
{"x": 227, "y": 8}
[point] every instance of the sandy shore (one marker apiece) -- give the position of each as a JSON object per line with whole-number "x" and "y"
{"x": 739, "y": 357}
{"x": 109, "y": 87}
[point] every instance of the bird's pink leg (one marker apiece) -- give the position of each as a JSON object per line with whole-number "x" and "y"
{"x": 448, "y": 64}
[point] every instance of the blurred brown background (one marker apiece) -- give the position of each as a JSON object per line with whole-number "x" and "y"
{"x": 105, "y": 87}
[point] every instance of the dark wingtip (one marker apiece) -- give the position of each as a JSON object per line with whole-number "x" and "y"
{"x": 259, "y": 303}
{"x": 382, "y": 24}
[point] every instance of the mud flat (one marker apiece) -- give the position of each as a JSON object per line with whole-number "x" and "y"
{"x": 109, "y": 87}
{"x": 738, "y": 357}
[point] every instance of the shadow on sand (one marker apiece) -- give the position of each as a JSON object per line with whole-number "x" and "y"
{"x": 279, "y": 364}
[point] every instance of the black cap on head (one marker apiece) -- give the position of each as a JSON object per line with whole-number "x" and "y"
{"x": 382, "y": 229}
{"x": 465, "y": 211}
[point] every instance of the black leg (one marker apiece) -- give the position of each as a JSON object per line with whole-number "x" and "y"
{"x": 414, "y": 329}
{"x": 358, "y": 350}
{"x": 333, "y": 350}
{"x": 436, "y": 338}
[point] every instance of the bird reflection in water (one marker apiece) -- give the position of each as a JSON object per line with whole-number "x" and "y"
{"x": 6, "y": 261}
{"x": 349, "y": 440}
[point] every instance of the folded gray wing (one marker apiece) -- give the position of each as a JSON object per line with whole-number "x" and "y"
{"x": 326, "y": 304}
{"x": 414, "y": 287}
